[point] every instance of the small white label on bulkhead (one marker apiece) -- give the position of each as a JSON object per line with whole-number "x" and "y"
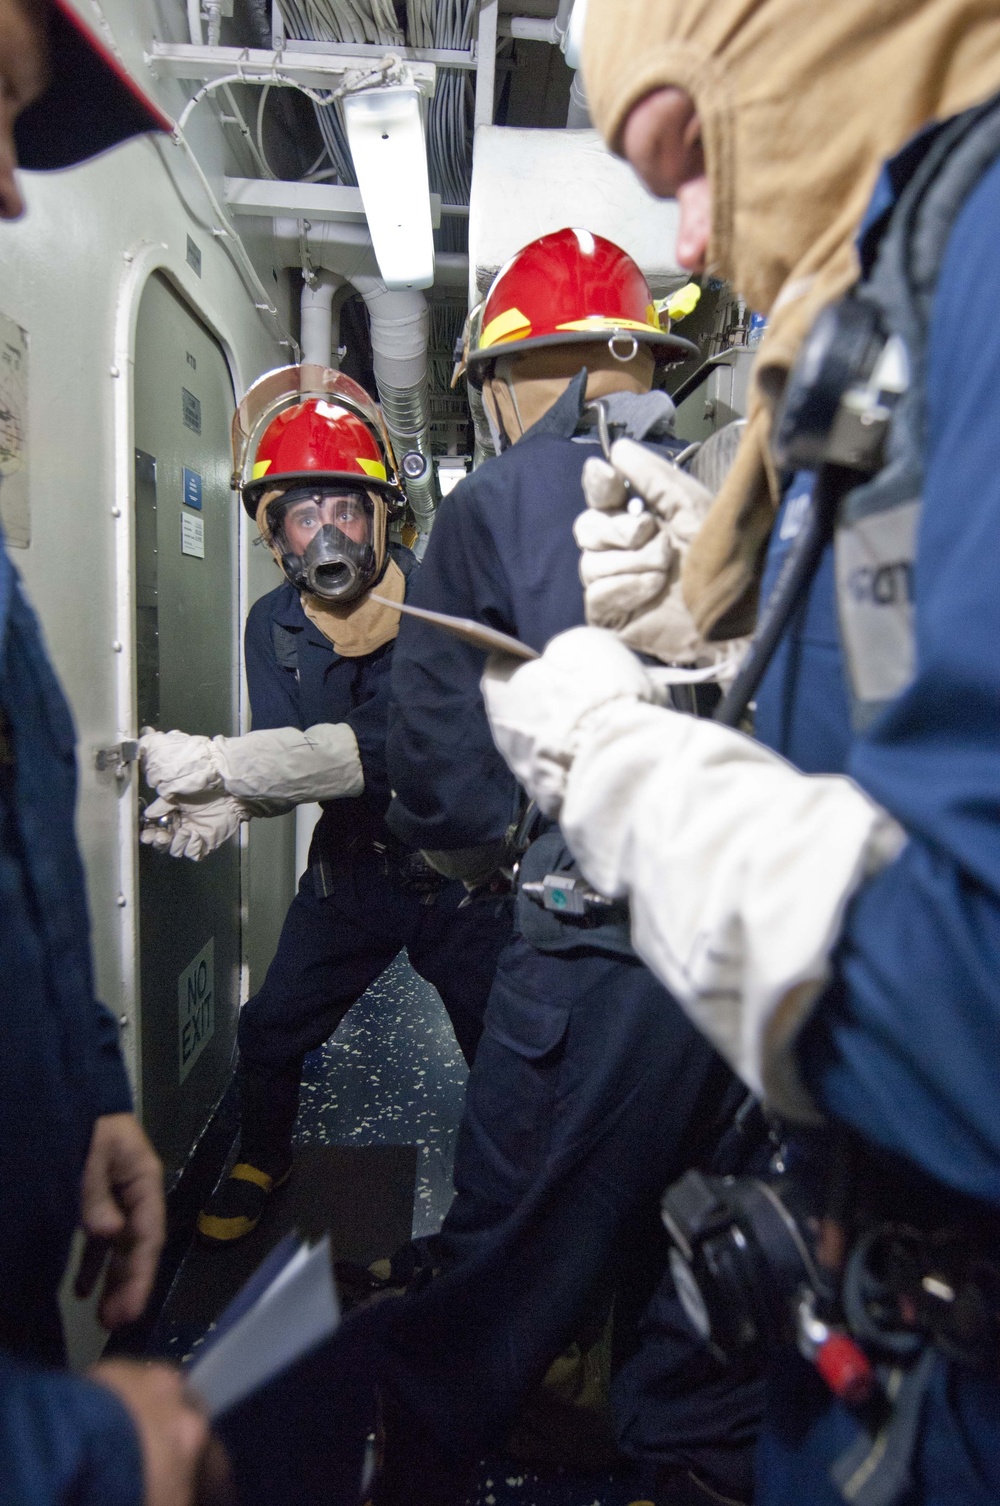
{"x": 196, "y": 1007}
{"x": 192, "y": 536}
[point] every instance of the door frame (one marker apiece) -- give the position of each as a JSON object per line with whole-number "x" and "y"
{"x": 141, "y": 261}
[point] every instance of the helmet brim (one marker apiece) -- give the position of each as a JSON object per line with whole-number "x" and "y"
{"x": 666, "y": 348}
{"x": 89, "y": 104}
{"x": 252, "y": 491}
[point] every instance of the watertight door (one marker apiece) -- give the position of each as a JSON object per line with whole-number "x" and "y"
{"x": 187, "y": 676}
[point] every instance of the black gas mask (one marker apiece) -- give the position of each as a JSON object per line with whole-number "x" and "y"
{"x": 331, "y": 540}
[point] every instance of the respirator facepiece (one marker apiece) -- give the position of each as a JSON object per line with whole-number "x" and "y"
{"x": 331, "y": 542}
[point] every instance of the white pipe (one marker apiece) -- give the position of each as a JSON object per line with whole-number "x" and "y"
{"x": 531, "y": 29}
{"x": 343, "y": 248}
{"x": 451, "y": 269}
{"x": 578, "y": 114}
{"x": 399, "y": 326}
{"x": 563, "y": 16}
{"x": 194, "y": 22}
{"x": 316, "y": 313}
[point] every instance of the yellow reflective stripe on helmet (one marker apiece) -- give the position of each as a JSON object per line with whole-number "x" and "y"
{"x": 504, "y": 327}
{"x": 599, "y": 322}
{"x": 260, "y": 468}
{"x": 373, "y": 468}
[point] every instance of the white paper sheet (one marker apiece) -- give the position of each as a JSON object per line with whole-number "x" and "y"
{"x": 295, "y": 1314}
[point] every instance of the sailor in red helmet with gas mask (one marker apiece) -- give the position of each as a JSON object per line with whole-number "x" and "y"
{"x": 315, "y": 470}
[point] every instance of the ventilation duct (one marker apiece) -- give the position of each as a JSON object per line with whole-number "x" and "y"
{"x": 399, "y": 331}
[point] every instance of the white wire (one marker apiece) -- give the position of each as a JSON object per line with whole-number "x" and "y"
{"x": 323, "y": 153}
{"x": 273, "y": 80}
{"x": 231, "y": 242}
{"x": 260, "y": 129}
{"x": 255, "y": 147}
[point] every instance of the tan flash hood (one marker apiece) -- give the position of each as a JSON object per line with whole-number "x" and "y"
{"x": 799, "y": 105}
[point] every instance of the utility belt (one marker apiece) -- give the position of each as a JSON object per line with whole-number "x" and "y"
{"x": 403, "y": 866}
{"x": 557, "y": 909}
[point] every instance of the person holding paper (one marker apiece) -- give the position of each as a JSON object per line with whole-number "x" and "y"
{"x": 590, "y": 1090}
{"x": 71, "y": 1150}
{"x": 317, "y": 475}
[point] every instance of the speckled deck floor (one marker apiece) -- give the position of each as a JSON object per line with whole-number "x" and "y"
{"x": 393, "y": 1075}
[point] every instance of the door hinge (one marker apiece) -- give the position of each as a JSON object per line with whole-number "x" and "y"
{"x": 117, "y": 758}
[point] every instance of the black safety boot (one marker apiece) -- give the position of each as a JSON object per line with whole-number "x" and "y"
{"x": 410, "y": 1269}
{"x": 235, "y": 1207}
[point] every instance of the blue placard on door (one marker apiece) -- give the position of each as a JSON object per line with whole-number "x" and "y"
{"x": 192, "y": 489}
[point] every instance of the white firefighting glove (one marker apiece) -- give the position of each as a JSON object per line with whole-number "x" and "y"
{"x": 191, "y": 830}
{"x": 630, "y": 563}
{"x": 194, "y": 828}
{"x": 322, "y": 763}
{"x": 738, "y": 869}
{"x": 538, "y": 718}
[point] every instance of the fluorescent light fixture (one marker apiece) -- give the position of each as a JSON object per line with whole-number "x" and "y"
{"x": 386, "y": 134}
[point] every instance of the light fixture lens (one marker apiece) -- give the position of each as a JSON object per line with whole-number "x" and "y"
{"x": 386, "y": 135}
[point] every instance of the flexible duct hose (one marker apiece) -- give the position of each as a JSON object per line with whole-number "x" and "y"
{"x": 399, "y": 332}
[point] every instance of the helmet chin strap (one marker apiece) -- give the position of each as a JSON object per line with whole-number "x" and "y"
{"x": 494, "y": 413}
{"x": 512, "y": 393}
{"x": 497, "y": 432}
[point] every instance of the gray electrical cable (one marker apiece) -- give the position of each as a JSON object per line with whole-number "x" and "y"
{"x": 429, "y": 23}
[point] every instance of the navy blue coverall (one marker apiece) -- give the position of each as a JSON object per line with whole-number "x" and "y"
{"x": 590, "y": 1091}
{"x": 62, "y": 1438}
{"x": 354, "y": 910}
{"x": 904, "y": 1046}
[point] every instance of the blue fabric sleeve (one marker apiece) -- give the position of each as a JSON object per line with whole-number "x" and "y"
{"x": 905, "y": 1045}
{"x": 273, "y": 698}
{"x": 114, "y": 1093}
{"x": 452, "y": 788}
{"x": 65, "y": 1439}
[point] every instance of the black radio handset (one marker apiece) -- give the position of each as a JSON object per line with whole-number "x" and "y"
{"x": 834, "y": 419}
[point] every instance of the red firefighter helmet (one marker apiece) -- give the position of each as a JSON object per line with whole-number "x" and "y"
{"x": 308, "y": 423}
{"x": 569, "y": 287}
